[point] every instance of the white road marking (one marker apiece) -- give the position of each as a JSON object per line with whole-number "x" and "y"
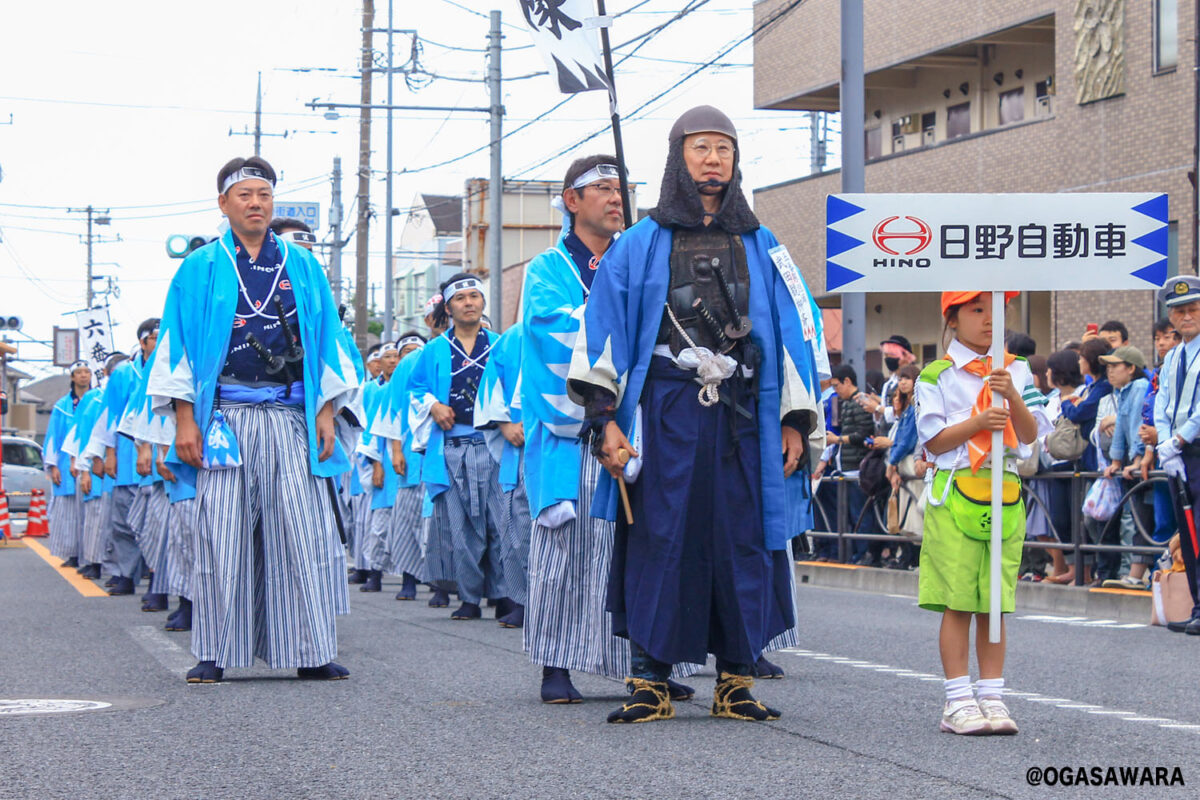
{"x": 1083, "y": 622}
{"x": 1065, "y": 703}
{"x": 165, "y": 652}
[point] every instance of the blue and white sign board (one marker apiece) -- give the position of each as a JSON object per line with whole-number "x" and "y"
{"x": 1028, "y": 242}
{"x": 309, "y": 213}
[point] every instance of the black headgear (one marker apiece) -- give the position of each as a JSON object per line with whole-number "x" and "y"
{"x": 679, "y": 204}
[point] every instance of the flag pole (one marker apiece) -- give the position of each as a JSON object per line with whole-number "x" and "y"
{"x": 994, "y": 616}
{"x": 616, "y": 115}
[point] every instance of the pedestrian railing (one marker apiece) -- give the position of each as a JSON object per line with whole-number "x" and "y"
{"x": 1075, "y": 542}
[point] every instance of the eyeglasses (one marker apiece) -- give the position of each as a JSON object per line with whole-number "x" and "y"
{"x": 704, "y": 149}
{"x": 605, "y": 190}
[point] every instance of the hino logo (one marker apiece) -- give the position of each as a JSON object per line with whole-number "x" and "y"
{"x": 923, "y": 235}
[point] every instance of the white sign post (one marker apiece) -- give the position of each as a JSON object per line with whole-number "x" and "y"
{"x": 995, "y": 243}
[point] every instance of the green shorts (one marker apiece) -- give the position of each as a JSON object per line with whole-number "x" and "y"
{"x": 955, "y": 569}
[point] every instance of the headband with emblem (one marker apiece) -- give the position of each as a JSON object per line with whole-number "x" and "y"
{"x": 463, "y": 285}
{"x": 409, "y": 340}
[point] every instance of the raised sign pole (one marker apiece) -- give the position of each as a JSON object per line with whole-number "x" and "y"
{"x": 995, "y": 243}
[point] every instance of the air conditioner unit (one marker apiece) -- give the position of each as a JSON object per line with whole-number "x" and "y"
{"x": 1045, "y": 106}
{"x": 897, "y": 144}
{"x": 928, "y": 137}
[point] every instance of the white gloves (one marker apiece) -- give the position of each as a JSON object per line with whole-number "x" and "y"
{"x": 1168, "y": 450}
{"x": 1173, "y": 466}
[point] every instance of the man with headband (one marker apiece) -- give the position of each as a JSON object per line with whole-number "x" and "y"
{"x": 403, "y": 544}
{"x": 377, "y": 475}
{"x": 132, "y": 491}
{"x": 464, "y": 539}
{"x": 700, "y": 339}
{"x": 66, "y": 504}
{"x": 294, "y": 230}
{"x": 566, "y": 624}
{"x": 252, "y": 374}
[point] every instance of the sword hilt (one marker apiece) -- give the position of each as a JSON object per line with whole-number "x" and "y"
{"x": 740, "y": 327}
{"x": 294, "y": 352}
{"x": 274, "y": 363}
{"x": 710, "y": 322}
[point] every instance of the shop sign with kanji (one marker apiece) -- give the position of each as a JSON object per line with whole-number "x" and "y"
{"x": 1030, "y": 242}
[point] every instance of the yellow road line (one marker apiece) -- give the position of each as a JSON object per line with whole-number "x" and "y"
{"x": 68, "y": 574}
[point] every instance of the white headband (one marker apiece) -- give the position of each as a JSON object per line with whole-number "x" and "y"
{"x": 466, "y": 284}
{"x": 599, "y": 172}
{"x": 147, "y": 334}
{"x": 373, "y": 357}
{"x": 245, "y": 174}
{"x": 407, "y": 340}
{"x": 431, "y": 304}
{"x": 387, "y": 347}
{"x": 301, "y": 237}
{"x": 81, "y": 364}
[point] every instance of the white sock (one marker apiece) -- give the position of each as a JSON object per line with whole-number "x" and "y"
{"x": 990, "y": 687}
{"x": 958, "y": 688}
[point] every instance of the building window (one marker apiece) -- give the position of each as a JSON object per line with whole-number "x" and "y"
{"x": 958, "y": 120}
{"x": 928, "y": 128}
{"x": 1166, "y": 35}
{"x": 1012, "y": 106}
{"x": 874, "y": 142}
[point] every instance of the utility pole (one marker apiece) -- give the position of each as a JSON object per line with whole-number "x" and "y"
{"x": 335, "y": 225}
{"x": 361, "y": 243}
{"x": 854, "y": 304}
{"x": 495, "y": 226}
{"x": 95, "y": 216}
{"x": 816, "y": 150}
{"x": 387, "y": 219}
{"x": 258, "y": 117}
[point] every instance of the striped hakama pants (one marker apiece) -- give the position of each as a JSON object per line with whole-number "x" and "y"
{"x": 66, "y": 524}
{"x": 152, "y": 535}
{"x": 264, "y": 580}
{"x": 464, "y": 541}
{"x": 180, "y": 533}
{"x": 375, "y": 549}
{"x": 97, "y": 529}
{"x": 360, "y": 511}
{"x": 515, "y": 527}
{"x": 790, "y": 637}
{"x": 566, "y": 624}
{"x": 405, "y": 543}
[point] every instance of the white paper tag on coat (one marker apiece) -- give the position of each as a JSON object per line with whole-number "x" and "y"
{"x": 791, "y": 278}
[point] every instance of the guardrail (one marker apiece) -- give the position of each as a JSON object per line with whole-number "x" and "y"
{"x": 1077, "y": 544}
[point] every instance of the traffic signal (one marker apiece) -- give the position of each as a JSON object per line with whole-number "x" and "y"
{"x": 180, "y": 245}
{"x": 10, "y": 323}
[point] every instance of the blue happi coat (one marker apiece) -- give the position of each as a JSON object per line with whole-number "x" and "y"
{"x": 620, "y": 328}
{"x": 120, "y": 391}
{"x": 62, "y": 422}
{"x": 430, "y": 382}
{"x": 195, "y": 333}
{"x": 374, "y": 448}
{"x": 391, "y": 423}
{"x": 499, "y": 401}
{"x": 553, "y": 301}
{"x": 142, "y": 424}
{"x": 86, "y": 414}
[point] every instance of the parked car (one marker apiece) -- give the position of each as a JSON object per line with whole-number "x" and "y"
{"x": 23, "y": 472}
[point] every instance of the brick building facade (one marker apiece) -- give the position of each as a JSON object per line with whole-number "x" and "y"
{"x": 981, "y": 96}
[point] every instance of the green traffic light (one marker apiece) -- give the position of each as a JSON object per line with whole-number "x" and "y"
{"x": 178, "y": 245}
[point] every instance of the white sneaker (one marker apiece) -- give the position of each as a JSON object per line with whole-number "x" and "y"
{"x": 996, "y": 713}
{"x": 965, "y": 718}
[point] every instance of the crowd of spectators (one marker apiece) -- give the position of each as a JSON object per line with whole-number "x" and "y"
{"x": 1101, "y": 384}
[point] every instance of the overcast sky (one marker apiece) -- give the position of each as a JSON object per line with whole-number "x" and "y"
{"x": 128, "y": 105}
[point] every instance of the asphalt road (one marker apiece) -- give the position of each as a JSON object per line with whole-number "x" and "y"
{"x": 436, "y": 708}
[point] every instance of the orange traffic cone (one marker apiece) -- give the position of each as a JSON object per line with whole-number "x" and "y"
{"x": 5, "y": 526}
{"x": 38, "y": 523}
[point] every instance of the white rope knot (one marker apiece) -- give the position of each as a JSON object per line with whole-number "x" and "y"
{"x": 711, "y": 369}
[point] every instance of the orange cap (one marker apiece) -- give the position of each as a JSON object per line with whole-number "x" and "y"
{"x": 958, "y": 298}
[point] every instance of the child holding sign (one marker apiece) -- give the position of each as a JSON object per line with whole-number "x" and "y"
{"x": 955, "y": 422}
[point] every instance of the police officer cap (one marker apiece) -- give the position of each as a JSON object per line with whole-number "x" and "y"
{"x": 702, "y": 119}
{"x": 1179, "y": 290}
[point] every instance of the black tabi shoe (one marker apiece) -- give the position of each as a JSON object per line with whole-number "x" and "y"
{"x": 680, "y": 692}
{"x": 374, "y": 581}
{"x": 332, "y": 671}
{"x": 112, "y": 580}
{"x": 408, "y": 589}
{"x": 155, "y": 602}
{"x": 651, "y": 700}
{"x": 181, "y": 620}
{"x": 1181, "y": 626}
{"x": 1193, "y": 627}
{"x": 440, "y": 599}
{"x": 121, "y": 586}
{"x": 467, "y": 611}
{"x": 71, "y": 562}
{"x": 504, "y": 607}
{"x": 766, "y": 670}
{"x": 514, "y": 618}
{"x": 557, "y": 688}
{"x": 358, "y": 576}
{"x": 732, "y": 700}
{"x": 82, "y": 568}
{"x": 205, "y": 672}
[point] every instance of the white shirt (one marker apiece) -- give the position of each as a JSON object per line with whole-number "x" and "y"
{"x": 951, "y": 399}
